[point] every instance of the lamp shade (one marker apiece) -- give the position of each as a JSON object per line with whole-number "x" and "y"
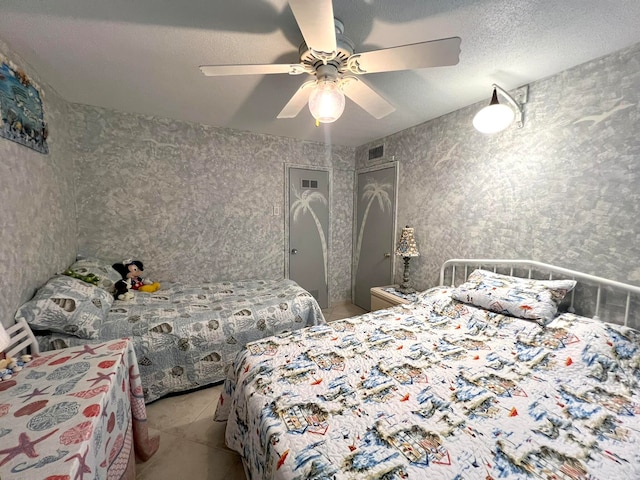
{"x": 5, "y": 341}
{"x": 407, "y": 245}
{"x": 493, "y": 118}
{"x": 326, "y": 102}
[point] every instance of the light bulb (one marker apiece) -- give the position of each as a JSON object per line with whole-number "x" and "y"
{"x": 326, "y": 102}
{"x": 493, "y": 118}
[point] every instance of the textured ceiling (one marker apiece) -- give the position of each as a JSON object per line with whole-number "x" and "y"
{"x": 143, "y": 56}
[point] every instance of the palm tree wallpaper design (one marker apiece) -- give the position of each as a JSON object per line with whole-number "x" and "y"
{"x": 372, "y": 191}
{"x": 301, "y": 206}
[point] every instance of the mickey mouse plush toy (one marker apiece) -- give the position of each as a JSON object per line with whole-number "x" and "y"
{"x": 131, "y": 280}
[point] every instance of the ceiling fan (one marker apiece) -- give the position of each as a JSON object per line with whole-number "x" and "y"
{"x": 328, "y": 54}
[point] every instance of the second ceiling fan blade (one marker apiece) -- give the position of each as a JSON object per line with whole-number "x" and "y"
{"x": 224, "y": 70}
{"x": 436, "y": 53}
{"x": 315, "y": 19}
{"x": 366, "y": 97}
{"x": 298, "y": 101}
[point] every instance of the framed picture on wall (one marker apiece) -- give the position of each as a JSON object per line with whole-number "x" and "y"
{"x": 21, "y": 114}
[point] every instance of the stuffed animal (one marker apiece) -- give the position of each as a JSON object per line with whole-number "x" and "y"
{"x": 123, "y": 290}
{"x": 89, "y": 277}
{"x": 130, "y": 271}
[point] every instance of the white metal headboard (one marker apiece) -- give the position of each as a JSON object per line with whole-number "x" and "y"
{"x": 531, "y": 266}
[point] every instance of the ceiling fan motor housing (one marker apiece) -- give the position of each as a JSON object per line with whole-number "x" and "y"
{"x": 344, "y": 47}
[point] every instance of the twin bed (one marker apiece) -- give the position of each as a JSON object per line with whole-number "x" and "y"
{"x": 184, "y": 336}
{"x": 483, "y": 380}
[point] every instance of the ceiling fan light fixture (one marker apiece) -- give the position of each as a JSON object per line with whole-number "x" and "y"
{"x": 326, "y": 102}
{"x": 496, "y": 116}
{"x": 328, "y": 55}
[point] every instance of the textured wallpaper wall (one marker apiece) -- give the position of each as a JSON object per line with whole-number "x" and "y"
{"x": 37, "y": 211}
{"x": 195, "y": 202}
{"x": 564, "y": 190}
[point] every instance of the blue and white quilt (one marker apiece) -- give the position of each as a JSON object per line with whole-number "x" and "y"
{"x": 185, "y": 336}
{"x": 438, "y": 389}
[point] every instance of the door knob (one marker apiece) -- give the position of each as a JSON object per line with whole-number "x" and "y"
{"x": 387, "y": 255}
{"x": 294, "y": 251}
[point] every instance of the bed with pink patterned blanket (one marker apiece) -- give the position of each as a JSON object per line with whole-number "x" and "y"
{"x": 75, "y": 413}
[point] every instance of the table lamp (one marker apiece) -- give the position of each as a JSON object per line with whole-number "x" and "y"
{"x": 407, "y": 248}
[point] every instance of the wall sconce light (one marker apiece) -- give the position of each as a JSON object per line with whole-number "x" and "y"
{"x": 497, "y": 116}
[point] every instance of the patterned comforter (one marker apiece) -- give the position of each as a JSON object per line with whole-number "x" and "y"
{"x": 438, "y": 389}
{"x": 185, "y": 336}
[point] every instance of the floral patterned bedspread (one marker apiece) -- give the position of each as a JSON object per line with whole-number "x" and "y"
{"x": 438, "y": 389}
{"x": 185, "y": 336}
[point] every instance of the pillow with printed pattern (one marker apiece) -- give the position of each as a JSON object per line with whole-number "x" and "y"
{"x": 67, "y": 305}
{"x": 519, "y": 297}
{"x": 107, "y": 275}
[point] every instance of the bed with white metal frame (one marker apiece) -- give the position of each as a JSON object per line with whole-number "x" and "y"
{"x": 443, "y": 389}
{"x": 529, "y": 268}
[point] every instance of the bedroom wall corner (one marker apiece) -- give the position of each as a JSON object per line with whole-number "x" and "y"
{"x": 194, "y": 201}
{"x": 564, "y": 190}
{"x": 37, "y": 206}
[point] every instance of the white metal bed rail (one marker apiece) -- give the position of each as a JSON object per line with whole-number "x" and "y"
{"x": 532, "y": 266}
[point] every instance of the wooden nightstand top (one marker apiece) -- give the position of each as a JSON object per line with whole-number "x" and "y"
{"x": 380, "y": 292}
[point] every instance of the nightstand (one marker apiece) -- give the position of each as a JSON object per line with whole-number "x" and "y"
{"x": 382, "y": 299}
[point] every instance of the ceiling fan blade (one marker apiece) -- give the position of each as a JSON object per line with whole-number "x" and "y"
{"x": 298, "y": 101}
{"x": 223, "y": 70}
{"x": 436, "y": 53}
{"x": 315, "y": 19}
{"x": 366, "y": 97}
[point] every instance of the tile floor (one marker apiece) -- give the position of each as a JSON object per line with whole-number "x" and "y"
{"x": 191, "y": 443}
